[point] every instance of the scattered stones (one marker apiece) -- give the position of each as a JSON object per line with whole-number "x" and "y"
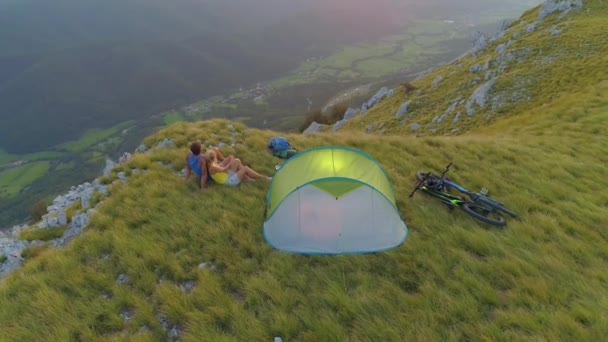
{"x": 415, "y": 127}
{"x": 437, "y": 80}
{"x": 125, "y": 157}
{"x": 62, "y": 218}
{"x": 122, "y": 176}
{"x": 480, "y": 42}
{"x": 531, "y": 27}
{"x": 206, "y": 265}
{"x": 187, "y": 286}
{"x": 479, "y": 96}
{"x": 278, "y": 339}
{"x": 108, "y": 168}
{"x": 339, "y": 124}
{"x": 79, "y": 222}
{"x": 350, "y": 112}
{"x": 486, "y": 65}
{"x": 382, "y": 93}
{"x": 501, "y": 49}
{"x": 85, "y": 198}
{"x": 166, "y": 143}
{"x": 11, "y": 249}
{"x": 106, "y": 295}
{"x": 475, "y": 68}
{"x": 126, "y": 314}
{"x": 142, "y": 148}
{"x": 457, "y": 117}
{"x": 403, "y": 109}
{"x": 551, "y": 6}
{"x": 173, "y": 331}
{"x": 554, "y": 31}
{"x": 122, "y": 279}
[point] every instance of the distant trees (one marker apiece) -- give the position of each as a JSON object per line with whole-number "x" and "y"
{"x": 335, "y": 114}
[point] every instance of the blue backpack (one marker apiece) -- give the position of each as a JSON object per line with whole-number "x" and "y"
{"x": 278, "y": 144}
{"x": 281, "y": 148}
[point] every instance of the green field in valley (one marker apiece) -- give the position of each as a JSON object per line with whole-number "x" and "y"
{"x": 15, "y": 179}
{"x": 94, "y": 136}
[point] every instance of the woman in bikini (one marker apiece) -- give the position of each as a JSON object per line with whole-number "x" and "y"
{"x": 197, "y": 164}
{"x": 232, "y": 172}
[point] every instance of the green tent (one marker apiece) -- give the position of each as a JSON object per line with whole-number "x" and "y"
{"x": 332, "y": 200}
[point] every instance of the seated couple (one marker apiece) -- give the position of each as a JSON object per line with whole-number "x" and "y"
{"x": 214, "y": 166}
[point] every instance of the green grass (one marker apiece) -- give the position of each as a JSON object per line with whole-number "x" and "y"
{"x": 15, "y": 179}
{"x": 542, "y": 277}
{"x": 94, "y": 136}
{"x": 45, "y": 234}
{"x": 44, "y": 155}
{"x": 3, "y": 258}
{"x": 172, "y": 117}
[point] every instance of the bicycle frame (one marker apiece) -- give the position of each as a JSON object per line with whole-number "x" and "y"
{"x": 446, "y": 198}
{"x": 453, "y": 185}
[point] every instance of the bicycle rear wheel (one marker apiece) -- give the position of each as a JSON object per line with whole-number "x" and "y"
{"x": 483, "y": 214}
{"x": 485, "y": 200}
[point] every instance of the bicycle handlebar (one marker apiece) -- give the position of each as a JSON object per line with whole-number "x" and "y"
{"x": 419, "y": 184}
{"x": 446, "y": 169}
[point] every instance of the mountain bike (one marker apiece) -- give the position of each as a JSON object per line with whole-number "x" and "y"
{"x": 479, "y": 205}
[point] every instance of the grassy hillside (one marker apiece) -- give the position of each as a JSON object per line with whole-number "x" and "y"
{"x": 555, "y": 62}
{"x": 544, "y": 276}
{"x": 162, "y": 259}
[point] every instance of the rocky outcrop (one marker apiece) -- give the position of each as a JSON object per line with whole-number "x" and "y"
{"x": 350, "y": 113}
{"x": 165, "y": 143}
{"x": 403, "y": 109}
{"x": 313, "y": 128}
{"x": 10, "y": 250}
{"x": 56, "y": 216}
{"x": 479, "y": 97}
{"x": 142, "y": 148}
{"x": 381, "y": 94}
{"x": 551, "y": 6}
{"x": 437, "y": 80}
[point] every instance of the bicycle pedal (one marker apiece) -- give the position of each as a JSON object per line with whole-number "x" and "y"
{"x": 484, "y": 191}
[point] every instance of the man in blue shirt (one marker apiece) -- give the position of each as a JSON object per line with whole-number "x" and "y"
{"x": 197, "y": 163}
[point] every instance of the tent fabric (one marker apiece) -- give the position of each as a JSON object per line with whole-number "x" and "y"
{"x": 325, "y": 162}
{"x": 332, "y": 200}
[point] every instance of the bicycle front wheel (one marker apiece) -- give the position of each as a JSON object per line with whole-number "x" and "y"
{"x": 483, "y": 214}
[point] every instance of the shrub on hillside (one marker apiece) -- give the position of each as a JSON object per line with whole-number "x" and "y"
{"x": 335, "y": 114}
{"x": 408, "y": 87}
{"x": 38, "y": 210}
